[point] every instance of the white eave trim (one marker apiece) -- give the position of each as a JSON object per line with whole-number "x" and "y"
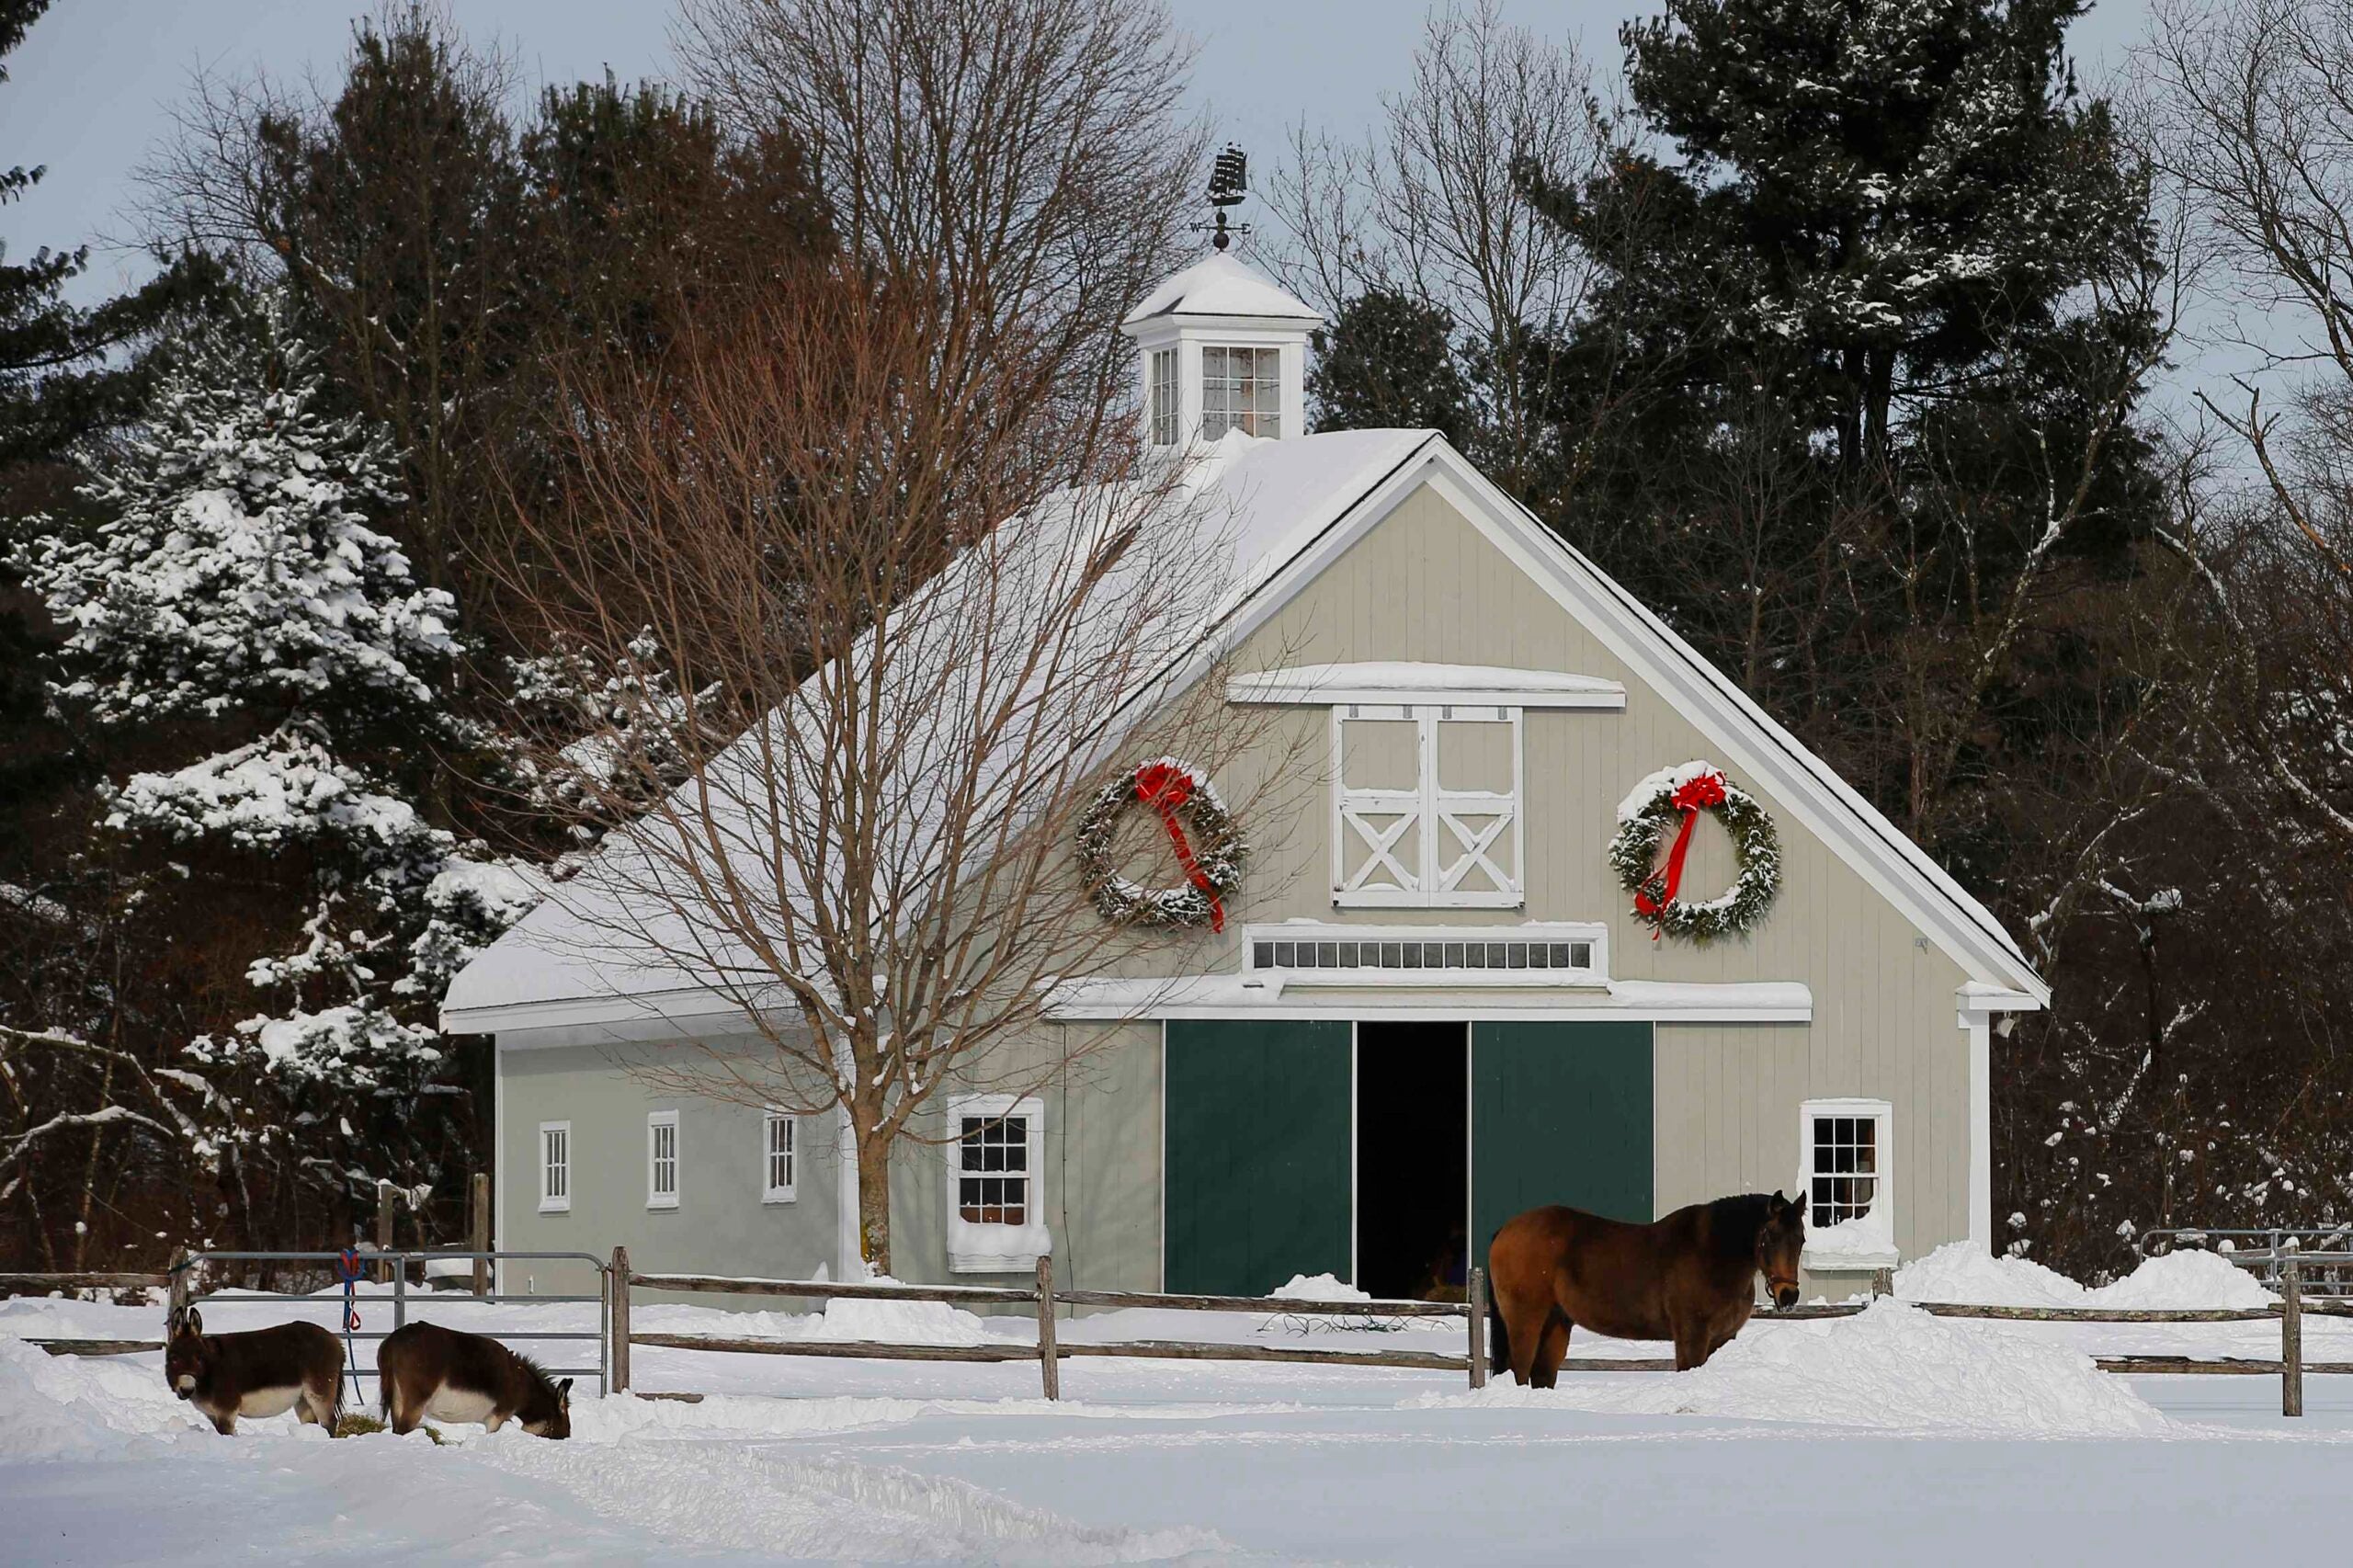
{"x": 1405, "y": 683}
{"x": 1976, "y": 996}
{"x": 682, "y": 1007}
{"x": 1252, "y": 996}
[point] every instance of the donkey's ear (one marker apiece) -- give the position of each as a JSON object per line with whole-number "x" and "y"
{"x": 192, "y": 1321}
{"x": 563, "y": 1392}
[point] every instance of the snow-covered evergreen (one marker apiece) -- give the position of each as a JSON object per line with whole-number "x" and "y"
{"x": 238, "y": 578}
{"x": 238, "y": 571}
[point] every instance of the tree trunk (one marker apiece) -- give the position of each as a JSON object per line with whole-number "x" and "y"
{"x": 874, "y": 1197}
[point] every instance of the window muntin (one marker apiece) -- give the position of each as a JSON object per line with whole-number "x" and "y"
{"x": 995, "y": 1213}
{"x": 1426, "y": 807}
{"x": 780, "y": 1156}
{"x": 661, "y": 1159}
{"x": 1163, "y": 364}
{"x": 1848, "y": 1180}
{"x": 993, "y": 1170}
{"x": 555, "y": 1167}
{"x": 1241, "y": 390}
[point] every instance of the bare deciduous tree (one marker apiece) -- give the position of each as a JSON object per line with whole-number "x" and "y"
{"x": 1433, "y": 204}
{"x": 1028, "y": 158}
{"x": 898, "y": 650}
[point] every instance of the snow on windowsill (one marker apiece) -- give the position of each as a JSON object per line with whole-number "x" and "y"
{"x": 994, "y": 1249}
{"x": 1864, "y": 1242}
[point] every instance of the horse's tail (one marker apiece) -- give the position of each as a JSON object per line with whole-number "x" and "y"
{"x": 1498, "y": 1341}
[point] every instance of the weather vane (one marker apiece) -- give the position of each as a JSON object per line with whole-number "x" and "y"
{"x": 1229, "y": 183}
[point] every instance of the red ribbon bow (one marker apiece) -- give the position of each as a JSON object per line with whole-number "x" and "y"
{"x": 1695, "y": 795}
{"x": 1164, "y": 786}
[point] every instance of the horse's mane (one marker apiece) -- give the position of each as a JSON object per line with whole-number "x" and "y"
{"x": 1732, "y": 1222}
{"x": 539, "y": 1374}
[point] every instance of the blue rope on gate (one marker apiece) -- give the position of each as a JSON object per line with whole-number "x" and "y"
{"x": 349, "y": 1262}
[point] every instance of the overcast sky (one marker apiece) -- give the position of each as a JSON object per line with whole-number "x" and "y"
{"x": 93, "y": 86}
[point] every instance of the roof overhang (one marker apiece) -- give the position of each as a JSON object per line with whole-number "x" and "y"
{"x": 1257, "y": 996}
{"x": 1391, "y": 682}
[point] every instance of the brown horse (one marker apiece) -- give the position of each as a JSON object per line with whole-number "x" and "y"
{"x": 265, "y": 1372}
{"x": 1690, "y": 1278}
{"x": 424, "y": 1370}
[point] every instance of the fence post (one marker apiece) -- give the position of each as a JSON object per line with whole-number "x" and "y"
{"x": 383, "y": 1228}
{"x": 1478, "y": 1294}
{"x": 479, "y": 1241}
{"x": 620, "y": 1327}
{"x": 176, "y": 1303}
{"x": 2292, "y": 1339}
{"x": 1049, "y": 1351}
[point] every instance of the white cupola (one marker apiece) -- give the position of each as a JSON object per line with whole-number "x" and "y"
{"x": 1220, "y": 347}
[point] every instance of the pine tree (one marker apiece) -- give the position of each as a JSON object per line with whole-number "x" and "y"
{"x": 237, "y": 579}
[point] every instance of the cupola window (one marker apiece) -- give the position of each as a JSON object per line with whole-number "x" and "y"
{"x": 1163, "y": 397}
{"x": 1241, "y": 390}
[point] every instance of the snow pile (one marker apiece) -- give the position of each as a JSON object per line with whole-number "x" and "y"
{"x": 62, "y": 1407}
{"x": 1959, "y": 1272}
{"x": 1890, "y": 1367}
{"x": 1317, "y": 1288}
{"x": 898, "y": 1322}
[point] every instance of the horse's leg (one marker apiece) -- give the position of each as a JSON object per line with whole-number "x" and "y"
{"x": 225, "y": 1422}
{"x": 1525, "y": 1330}
{"x": 1555, "y": 1347}
{"x": 493, "y": 1420}
{"x": 404, "y": 1411}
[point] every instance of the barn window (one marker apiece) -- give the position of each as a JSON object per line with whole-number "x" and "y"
{"x": 779, "y": 1134}
{"x": 1241, "y": 390}
{"x": 995, "y": 1220}
{"x": 1163, "y": 397}
{"x": 1849, "y": 1181}
{"x": 555, "y": 1167}
{"x": 661, "y": 1159}
{"x": 1426, "y": 807}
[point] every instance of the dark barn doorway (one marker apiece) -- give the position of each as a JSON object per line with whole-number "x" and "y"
{"x": 1413, "y": 1166}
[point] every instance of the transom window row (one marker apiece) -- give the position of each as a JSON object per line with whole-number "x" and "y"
{"x": 1444, "y": 955}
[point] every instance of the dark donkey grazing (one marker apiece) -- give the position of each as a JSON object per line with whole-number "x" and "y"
{"x": 1690, "y": 1278}
{"x": 425, "y": 1369}
{"x": 264, "y": 1371}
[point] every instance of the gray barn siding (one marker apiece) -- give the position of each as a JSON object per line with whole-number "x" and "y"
{"x": 1425, "y": 585}
{"x": 720, "y": 1225}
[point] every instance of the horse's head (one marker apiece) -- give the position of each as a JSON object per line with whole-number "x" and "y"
{"x": 184, "y": 1353}
{"x": 548, "y": 1413}
{"x": 1779, "y": 1241}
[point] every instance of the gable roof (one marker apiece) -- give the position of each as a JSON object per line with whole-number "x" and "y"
{"x": 1283, "y": 510}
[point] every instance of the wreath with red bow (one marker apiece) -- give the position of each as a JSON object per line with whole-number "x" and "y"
{"x": 1210, "y": 855}
{"x": 1678, "y": 795}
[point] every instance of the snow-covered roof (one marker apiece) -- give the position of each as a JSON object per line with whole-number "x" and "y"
{"x": 1255, "y": 503}
{"x": 1222, "y": 285}
{"x": 1276, "y": 509}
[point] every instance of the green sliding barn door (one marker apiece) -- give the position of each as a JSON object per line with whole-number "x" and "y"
{"x": 1259, "y": 1139}
{"x": 1559, "y": 1113}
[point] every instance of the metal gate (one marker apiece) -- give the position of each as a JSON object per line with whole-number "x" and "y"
{"x": 398, "y": 1263}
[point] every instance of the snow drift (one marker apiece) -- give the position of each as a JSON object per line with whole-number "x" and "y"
{"x": 1960, "y": 1272}
{"x": 1890, "y": 1369}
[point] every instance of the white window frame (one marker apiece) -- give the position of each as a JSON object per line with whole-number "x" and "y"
{"x": 978, "y": 1246}
{"x": 654, "y": 1122}
{"x": 1875, "y": 1248}
{"x": 1436, "y": 815}
{"x": 1166, "y": 406}
{"x": 770, "y": 1191}
{"x": 1251, "y": 421}
{"x": 552, "y": 1202}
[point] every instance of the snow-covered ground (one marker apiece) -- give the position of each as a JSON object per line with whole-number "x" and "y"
{"x": 1893, "y": 1434}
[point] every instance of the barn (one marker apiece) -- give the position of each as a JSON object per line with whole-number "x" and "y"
{"x": 1452, "y": 984}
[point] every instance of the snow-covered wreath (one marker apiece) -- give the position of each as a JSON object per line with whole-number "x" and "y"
{"x": 1683, "y": 793}
{"x": 1210, "y": 855}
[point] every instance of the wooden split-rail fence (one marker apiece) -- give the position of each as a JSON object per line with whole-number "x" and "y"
{"x": 1045, "y": 1301}
{"x": 1049, "y": 1350}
